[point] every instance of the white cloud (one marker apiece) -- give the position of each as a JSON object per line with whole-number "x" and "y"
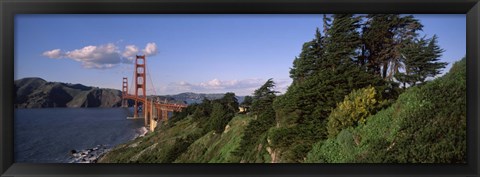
{"x": 212, "y": 84}
{"x": 150, "y": 49}
{"x": 55, "y": 53}
{"x": 102, "y": 56}
{"x": 130, "y": 52}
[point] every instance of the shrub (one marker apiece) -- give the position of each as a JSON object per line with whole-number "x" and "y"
{"x": 354, "y": 109}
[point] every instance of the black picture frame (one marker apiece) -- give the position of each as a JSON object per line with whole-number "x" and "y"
{"x": 9, "y": 8}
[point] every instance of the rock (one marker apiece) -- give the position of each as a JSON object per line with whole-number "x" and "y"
{"x": 133, "y": 145}
{"x": 73, "y": 151}
{"x": 76, "y": 155}
{"x": 227, "y": 128}
{"x": 91, "y": 155}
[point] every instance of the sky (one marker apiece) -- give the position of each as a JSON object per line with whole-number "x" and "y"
{"x": 185, "y": 53}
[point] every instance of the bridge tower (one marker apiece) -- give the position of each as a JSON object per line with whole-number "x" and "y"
{"x": 124, "y": 92}
{"x": 140, "y": 82}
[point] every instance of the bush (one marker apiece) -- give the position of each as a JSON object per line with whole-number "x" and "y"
{"x": 354, "y": 109}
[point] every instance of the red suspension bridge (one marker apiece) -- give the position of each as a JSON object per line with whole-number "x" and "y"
{"x": 154, "y": 111}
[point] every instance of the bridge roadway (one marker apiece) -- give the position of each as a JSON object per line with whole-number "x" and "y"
{"x": 154, "y": 110}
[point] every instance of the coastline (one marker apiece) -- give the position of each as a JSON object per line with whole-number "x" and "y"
{"x": 92, "y": 155}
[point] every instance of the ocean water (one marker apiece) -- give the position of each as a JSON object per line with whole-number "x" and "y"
{"x": 48, "y": 135}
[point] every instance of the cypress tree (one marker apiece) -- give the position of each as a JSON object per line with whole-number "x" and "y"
{"x": 265, "y": 119}
{"x": 421, "y": 61}
{"x": 306, "y": 64}
{"x": 263, "y": 97}
{"x": 383, "y": 37}
{"x": 342, "y": 42}
{"x": 230, "y": 101}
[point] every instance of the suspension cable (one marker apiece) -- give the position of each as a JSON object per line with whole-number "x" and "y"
{"x": 151, "y": 81}
{"x": 132, "y": 81}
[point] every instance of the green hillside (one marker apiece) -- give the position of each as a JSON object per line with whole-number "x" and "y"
{"x": 217, "y": 148}
{"x": 177, "y": 144}
{"x": 365, "y": 90}
{"x": 426, "y": 124}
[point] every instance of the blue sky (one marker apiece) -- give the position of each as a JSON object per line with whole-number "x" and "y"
{"x": 185, "y": 53}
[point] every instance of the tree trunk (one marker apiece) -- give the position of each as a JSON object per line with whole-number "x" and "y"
{"x": 384, "y": 71}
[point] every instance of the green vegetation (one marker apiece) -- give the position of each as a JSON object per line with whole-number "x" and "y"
{"x": 162, "y": 146}
{"x": 345, "y": 105}
{"x": 354, "y": 110}
{"x": 426, "y": 124}
{"x": 217, "y": 148}
{"x": 421, "y": 61}
{"x": 252, "y": 147}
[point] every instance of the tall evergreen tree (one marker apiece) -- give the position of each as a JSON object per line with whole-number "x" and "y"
{"x": 384, "y": 35}
{"x": 342, "y": 42}
{"x": 326, "y": 24}
{"x": 265, "y": 119}
{"x": 263, "y": 97}
{"x": 421, "y": 59}
{"x": 306, "y": 64}
{"x": 406, "y": 30}
{"x": 230, "y": 101}
{"x": 378, "y": 38}
{"x": 219, "y": 118}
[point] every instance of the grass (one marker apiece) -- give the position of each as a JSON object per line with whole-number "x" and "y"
{"x": 182, "y": 143}
{"x": 217, "y": 148}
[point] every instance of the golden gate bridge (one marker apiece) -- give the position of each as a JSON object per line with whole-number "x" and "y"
{"x": 153, "y": 111}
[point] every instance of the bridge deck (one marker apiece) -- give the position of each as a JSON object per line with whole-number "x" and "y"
{"x": 160, "y": 106}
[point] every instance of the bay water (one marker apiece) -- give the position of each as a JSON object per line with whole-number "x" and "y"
{"x": 48, "y": 135}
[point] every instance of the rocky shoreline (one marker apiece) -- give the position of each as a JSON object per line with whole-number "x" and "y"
{"x": 89, "y": 155}
{"x": 92, "y": 155}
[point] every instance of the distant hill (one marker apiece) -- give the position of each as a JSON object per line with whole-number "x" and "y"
{"x": 38, "y": 93}
{"x": 35, "y": 92}
{"x": 190, "y": 97}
